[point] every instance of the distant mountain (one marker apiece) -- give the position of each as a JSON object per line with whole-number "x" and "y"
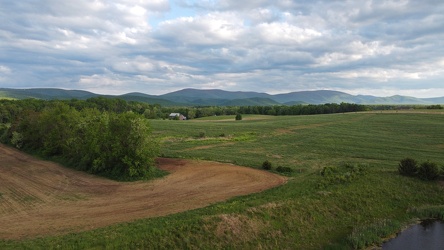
{"x": 217, "y": 97}
{"x": 45, "y": 93}
{"x": 436, "y": 100}
{"x": 315, "y": 97}
{"x": 397, "y": 99}
{"x": 151, "y": 99}
{"x": 255, "y": 101}
{"x": 193, "y": 94}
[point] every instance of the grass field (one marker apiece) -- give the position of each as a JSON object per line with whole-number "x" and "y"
{"x": 309, "y": 211}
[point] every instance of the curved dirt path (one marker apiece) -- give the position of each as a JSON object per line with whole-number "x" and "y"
{"x": 39, "y": 198}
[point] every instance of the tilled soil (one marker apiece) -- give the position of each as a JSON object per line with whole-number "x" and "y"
{"x": 39, "y": 198}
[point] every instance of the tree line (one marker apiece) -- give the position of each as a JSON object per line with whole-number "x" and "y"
{"x": 277, "y": 110}
{"x": 9, "y": 109}
{"x": 112, "y": 141}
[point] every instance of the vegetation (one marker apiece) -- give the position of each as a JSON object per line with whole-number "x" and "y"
{"x": 437, "y": 106}
{"x": 364, "y": 236}
{"x": 282, "y": 169}
{"x": 118, "y": 145}
{"x": 302, "y": 214}
{"x": 267, "y": 165}
{"x": 10, "y": 108}
{"x": 428, "y": 171}
{"x": 238, "y": 117}
{"x": 345, "y": 173}
{"x": 408, "y": 167}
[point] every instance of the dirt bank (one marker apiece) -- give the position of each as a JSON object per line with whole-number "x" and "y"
{"x": 40, "y": 198}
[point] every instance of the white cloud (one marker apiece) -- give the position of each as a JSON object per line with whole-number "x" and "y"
{"x": 286, "y": 34}
{"x": 264, "y": 45}
{"x": 210, "y": 29}
{"x": 4, "y": 70}
{"x": 355, "y": 51}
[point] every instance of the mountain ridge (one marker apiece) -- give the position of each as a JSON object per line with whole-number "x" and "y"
{"x": 218, "y": 97}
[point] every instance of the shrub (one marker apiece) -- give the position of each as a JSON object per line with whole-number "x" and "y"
{"x": 428, "y": 171}
{"x": 435, "y": 107}
{"x": 281, "y": 169}
{"x": 238, "y": 117}
{"x": 328, "y": 171}
{"x": 344, "y": 173}
{"x": 17, "y": 139}
{"x": 201, "y": 134}
{"x": 408, "y": 167}
{"x": 362, "y": 237}
{"x": 267, "y": 165}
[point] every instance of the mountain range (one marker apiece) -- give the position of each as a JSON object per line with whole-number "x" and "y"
{"x": 217, "y": 97}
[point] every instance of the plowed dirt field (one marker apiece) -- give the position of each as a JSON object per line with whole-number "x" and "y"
{"x": 39, "y": 198}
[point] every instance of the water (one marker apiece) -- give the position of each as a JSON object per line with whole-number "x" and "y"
{"x": 429, "y": 235}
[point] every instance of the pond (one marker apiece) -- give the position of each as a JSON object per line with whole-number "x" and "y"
{"x": 428, "y": 235}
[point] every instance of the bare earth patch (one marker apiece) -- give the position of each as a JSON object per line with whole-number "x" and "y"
{"x": 40, "y": 198}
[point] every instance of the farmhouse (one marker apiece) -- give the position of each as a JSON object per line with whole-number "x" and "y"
{"x": 176, "y": 116}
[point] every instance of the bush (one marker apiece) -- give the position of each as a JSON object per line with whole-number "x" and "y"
{"x": 362, "y": 237}
{"x": 344, "y": 173}
{"x": 408, "y": 167}
{"x": 267, "y": 165}
{"x": 281, "y": 169}
{"x": 328, "y": 171}
{"x": 201, "y": 134}
{"x": 238, "y": 117}
{"x": 428, "y": 171}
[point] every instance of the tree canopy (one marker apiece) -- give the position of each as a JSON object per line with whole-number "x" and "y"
{"x": 113, "y": 142}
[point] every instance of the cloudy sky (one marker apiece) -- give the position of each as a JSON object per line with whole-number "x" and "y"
{"x": 377, "y": 47}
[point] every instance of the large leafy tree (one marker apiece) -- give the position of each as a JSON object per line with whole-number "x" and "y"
{"x": 133, "y": 148}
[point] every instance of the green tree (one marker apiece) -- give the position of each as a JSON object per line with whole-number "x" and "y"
{"x": 267, "y": 165}
{"x": 57, "y": 126}
{"x": 133, "y": 149}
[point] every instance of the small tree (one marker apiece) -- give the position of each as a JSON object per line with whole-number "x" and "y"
{"x": 267, "y": 165}
{"x": 428, "y": 171}
{"x": 238, "y": 117}
{"x": 408, "y": 167}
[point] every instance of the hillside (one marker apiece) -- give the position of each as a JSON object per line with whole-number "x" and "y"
{"x": 44, "y": 93}
{"x": 217, "y": 97}
{"x": 191, "y": 94}
{"x": 316, "y": 97}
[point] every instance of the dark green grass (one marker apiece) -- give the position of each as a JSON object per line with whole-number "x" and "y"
{"x": 301, "y": 214}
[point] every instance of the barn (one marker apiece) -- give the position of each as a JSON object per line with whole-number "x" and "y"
{"x": 177, "y": 116}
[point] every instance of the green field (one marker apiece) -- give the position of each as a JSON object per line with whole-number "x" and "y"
{"x": 310, "y": 211}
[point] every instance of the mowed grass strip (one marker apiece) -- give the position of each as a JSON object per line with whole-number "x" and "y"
{"x": 301, "y": 214}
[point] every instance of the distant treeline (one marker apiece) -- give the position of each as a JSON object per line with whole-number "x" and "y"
{"x": 9, "y": 109}
{"x": 329, "y": 108}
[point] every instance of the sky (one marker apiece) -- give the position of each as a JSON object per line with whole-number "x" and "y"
{"x": 369, "y": 47}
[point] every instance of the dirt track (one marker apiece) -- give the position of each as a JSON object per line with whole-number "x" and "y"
{"x": 40, "y": 198}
